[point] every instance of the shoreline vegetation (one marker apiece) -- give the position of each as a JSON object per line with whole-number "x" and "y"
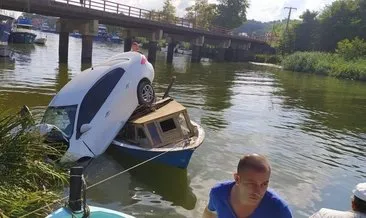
{"x": 28, "y": 179}
{"x": 326, "y": 64}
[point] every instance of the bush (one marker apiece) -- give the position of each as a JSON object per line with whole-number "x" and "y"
{"x": 326, "y": 64}
{"x": 351, "y": 50}
{"x": 28, "y": 181}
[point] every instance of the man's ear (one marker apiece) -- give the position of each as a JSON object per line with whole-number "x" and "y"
{"x": 236, "y": 178}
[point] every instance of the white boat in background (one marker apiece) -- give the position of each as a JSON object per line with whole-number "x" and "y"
{"x": 183, "y": 51}
{"x": 40, "y": 40}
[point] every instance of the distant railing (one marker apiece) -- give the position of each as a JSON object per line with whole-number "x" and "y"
{"x": 126, "y": 10}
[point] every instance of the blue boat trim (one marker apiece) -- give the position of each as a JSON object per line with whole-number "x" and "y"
{"x": 174, "y": 156}
{"x": 96, "y": 212}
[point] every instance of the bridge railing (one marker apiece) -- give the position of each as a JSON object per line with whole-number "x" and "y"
{"x": 126, "y": 10}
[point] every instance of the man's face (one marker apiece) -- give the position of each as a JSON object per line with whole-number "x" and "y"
{"x": 252, "y": 185}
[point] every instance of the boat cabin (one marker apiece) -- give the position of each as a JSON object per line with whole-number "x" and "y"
{"x": 168, "y": 124}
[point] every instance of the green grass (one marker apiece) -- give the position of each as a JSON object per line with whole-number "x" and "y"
{"x": 28, "y": 180}
{"x": 265, "y": 58}
{"x": 326, "y": 64}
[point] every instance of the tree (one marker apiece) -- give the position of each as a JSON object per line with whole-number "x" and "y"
{"x": 201, "y": 14}
{"x": 231, "y": 13}
{"x": 352, "y": 49}
{"x": 339, "y": 21}
{"x": 168, "y": 12}
{"x": 307, "y": 32}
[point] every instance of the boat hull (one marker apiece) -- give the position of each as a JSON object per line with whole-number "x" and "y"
{"x": 96, "y": 212}
{"x": 22, "y": 37}
{"x": 175, "y": 158}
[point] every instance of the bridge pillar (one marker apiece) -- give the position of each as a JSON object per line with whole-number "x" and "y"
{"x": 127, "y": 43}
{"x": 196, "y": 49}
{"x": 86, "y": 49}
{"x": 153, "y": 46}
{"x": 170, "y": 52}
{"x": 63, "y": 47}
{"x": 88, "y": 28}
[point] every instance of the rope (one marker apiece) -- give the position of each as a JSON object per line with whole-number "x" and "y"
{"x": 100, "y": 182}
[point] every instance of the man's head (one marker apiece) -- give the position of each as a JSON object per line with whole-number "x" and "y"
{"x": 359, "y": 198}
{"x": 135, "y": 46}
{"x": 252, "y": 178}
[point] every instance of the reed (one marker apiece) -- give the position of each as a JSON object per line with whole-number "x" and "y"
{"x": 28, "y": 178}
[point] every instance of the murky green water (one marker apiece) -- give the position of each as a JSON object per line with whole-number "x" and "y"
{"x": 313, "y": 129}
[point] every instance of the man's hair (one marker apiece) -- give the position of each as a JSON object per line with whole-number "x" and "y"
{"x": 254, "y": 162}
{"x": 359, "y": 205}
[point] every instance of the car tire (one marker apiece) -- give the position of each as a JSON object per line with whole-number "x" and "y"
{"x": 145, "y": 93}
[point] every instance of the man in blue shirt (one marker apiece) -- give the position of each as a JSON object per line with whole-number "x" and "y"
{"x": 247, "y": 196}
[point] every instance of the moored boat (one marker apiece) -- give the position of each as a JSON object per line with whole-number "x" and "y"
{"x": 5, "y": 28}
{"x": 22, "y": 32}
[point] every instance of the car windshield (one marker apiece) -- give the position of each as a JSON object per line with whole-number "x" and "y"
{"x": 61, "y": 117}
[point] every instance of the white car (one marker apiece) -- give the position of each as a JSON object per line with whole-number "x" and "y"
{"x": 91, "y": 109}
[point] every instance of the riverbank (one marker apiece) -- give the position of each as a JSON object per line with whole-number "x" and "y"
{"x": 325, "y": 64}
{"x": 28, "y": 181}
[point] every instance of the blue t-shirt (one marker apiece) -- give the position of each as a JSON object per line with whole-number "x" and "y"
{"x": 271, "y": 206}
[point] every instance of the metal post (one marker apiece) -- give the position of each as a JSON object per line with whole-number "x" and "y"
{"x": 117, "y": 8}
{"x": 140, "y": 14}
{"x": 75, "y": 188}
{"x": 129, "y": 11}
{"x": 182, "y": 22}
{"x": 104, "y": 6}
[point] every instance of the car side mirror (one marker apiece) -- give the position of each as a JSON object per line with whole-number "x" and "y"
{"x": 85, "y": 127}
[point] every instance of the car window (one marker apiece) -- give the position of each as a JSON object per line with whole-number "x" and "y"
{"x": 96, "y": 96}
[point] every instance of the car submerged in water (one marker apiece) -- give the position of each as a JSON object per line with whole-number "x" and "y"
{"x": 90, "y": 110}
{"x": 114, "y": 104}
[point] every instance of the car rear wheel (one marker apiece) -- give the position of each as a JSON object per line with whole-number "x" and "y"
{"x": 145, "y": 93}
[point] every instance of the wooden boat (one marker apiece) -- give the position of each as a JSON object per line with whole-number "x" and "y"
{"x": 163, "y": 130}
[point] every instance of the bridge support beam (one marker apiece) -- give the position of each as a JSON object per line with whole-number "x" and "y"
{"x": 170, "y": 52}
{"x": 127, "y": 44}
{"x": 196, "y": 49}
{"x": 88, "y": 28}
{"x": 86, "y": 49}
{"x": 153, "y": 46}
{"x": 63, "y": 47}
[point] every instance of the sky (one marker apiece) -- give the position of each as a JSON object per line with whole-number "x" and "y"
{"x": 260, "y": 10}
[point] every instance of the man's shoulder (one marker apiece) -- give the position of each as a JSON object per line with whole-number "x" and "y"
{"x": 275, "y": 198}
{"x": 273, "y": 202}
{"x": 222, "y": 187}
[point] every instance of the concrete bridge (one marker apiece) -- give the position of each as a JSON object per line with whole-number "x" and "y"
{"x": 85, "y": 16}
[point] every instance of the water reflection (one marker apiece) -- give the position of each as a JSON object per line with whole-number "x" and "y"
{"x": 168, "y": 183}
{"x": 62, "y": 76}
{"x": 210, "y": 87}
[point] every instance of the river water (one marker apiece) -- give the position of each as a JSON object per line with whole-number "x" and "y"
{"x": 312, "y": 128}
